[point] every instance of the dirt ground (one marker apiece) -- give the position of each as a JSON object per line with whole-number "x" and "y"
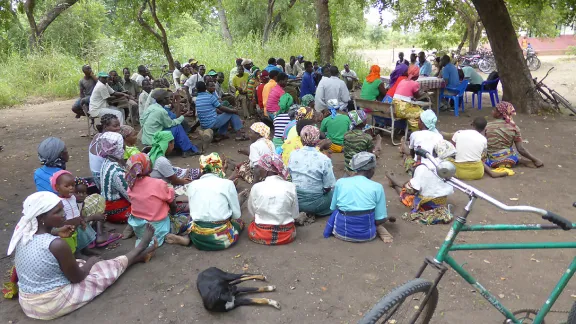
{"x": 320, "y": 280}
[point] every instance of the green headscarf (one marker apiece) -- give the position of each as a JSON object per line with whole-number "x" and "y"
{"x": 160, "y": 145}
{"x": 306, "y": 100}
{"x": 285, "y": 102}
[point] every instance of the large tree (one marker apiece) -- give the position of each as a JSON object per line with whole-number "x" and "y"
{"x": 325, "y": 38}
{"x": 224, "y": 23}
{"x": 51, "y": 12}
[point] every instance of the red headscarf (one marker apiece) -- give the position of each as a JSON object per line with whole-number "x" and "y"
{"x": 374, "y": 74}
{"x": 413, "y": 72}
{"x": 507, "y": 110}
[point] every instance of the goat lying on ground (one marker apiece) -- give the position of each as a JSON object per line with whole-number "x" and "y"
{"x": 218, "y": 290}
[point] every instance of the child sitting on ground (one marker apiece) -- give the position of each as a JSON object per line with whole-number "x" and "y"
{"x": 92, "y": 210}
{"x": 261, "y": 144}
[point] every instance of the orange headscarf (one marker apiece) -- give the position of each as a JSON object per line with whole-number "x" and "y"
{"x": 413, "y": 72}
{"x": 374, "y": 74}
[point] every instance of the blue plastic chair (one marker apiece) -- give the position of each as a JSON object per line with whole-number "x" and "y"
{"x": 492, "y": 90}
{"x": 458, "y": 96}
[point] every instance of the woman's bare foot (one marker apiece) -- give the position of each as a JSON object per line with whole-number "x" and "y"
{"x": 177, "y": 239}
{"x": 149, "y": 252}
{"x": 128, "y": 232}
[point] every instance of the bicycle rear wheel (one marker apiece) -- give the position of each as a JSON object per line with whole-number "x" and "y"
{"x": 572, "y": 315}
{"x": 402, "y": 303}
{"x": 563, "y": 102}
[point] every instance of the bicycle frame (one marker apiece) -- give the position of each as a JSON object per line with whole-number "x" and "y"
{"x": 443, "y": 255}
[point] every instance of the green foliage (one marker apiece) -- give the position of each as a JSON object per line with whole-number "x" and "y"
{"x": 571, "y": 50}
{"x": 441, "y": 41}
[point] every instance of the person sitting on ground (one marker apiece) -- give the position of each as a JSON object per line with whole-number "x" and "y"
{"x": 273, "y": 203}
{"x": 215, "y": 115}
{"x": 401, "y": 60}
{"x": 129, "y": 85}
{"x": 141, "y": 75}
{"x": 312, "y": 173}
{"x": 234, "y": 71}
{"x": 294, "y": 68}
{"x": 373, "y": 87}
{"x": 282, "y": 119}
{"x": 239, "y": 87}
{"x": 162, "y": 168}
{"x": 264, "y": 78}
{"x": 92, "y": 208}
{"x": 359, "y": 204}
{"x": 156, "y": 118}
{"x": 475, "y": 79}
{"x": 426, "y": 194}
{"x": 305, "y": 111}
{"x": 272, "y": 66}
{"x": 400, "y": 73}
{"x": 335, "y": 124}
{"x": 53, "y": 156}
{"x": 272, "y": 107}
{"x": 259, "y": 135}
{"x": 51, "y": 281}
{"x": 101, "y": 97}
{"x": 294, "y": 143}
{"x": 424, "y": 65}
{"x": 130, "y": 137}
{"x": 108, "y": 123}
{"x": 406, "y": 91}
{"x": 426, "y": 138}
{"x": 331, "y": 88}
{"x": 308, "y": 85}
{"x": 86, "y": 85}
{"x": 502, "y": 135}
{"x": 112, "y": 181}
{"x": 349, "y": 77}
{"x": 216, "y": 213}
{"x": 153, "y": 202}
{"x": 356, "y": 140}
{"x": 268, "y": 88}
{"x": 143, "y": 98}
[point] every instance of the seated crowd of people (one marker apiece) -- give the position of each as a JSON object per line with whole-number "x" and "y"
{"x": 288, "y": 172}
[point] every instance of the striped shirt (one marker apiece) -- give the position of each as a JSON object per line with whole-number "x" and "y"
{"x": 206, "y": 104}
{"x": 280, "y": 123}
{"x": 501, "y": 135}
{"x": 356, "y": 141}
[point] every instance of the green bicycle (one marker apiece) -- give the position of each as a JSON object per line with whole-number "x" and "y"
{"x": 397, "y": 307}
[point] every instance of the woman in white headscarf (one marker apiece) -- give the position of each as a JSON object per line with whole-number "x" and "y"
{"x": 51, "y": 281}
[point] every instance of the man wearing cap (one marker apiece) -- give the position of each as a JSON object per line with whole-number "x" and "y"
{"x": 300, "y": 59}
{"x": 349, "y": 76}
{"x": 247, "y": 64}
{"x": 86, "y": 85}
{"x": 193, "y": 66}
{"x": 294, "y": 68}
{"x": 358, "y": 204}
{"x": 99, "y": 100}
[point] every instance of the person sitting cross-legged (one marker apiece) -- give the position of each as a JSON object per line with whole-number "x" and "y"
{"x": 359, "y": 204}
{"x": 213, "y": 114}
{"x": 273, "y": 202}
{"x": 335, "y": 124}
{"x": 357, "y": 140}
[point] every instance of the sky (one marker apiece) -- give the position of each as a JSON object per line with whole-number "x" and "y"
{"x": 373, "y": 17}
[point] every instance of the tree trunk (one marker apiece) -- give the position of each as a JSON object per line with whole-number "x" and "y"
{"x": 514, "y": 74}
{"x": 462, "y": 41}
{"x": 268, "y": 21}
{"x": 224, "y": 24}
{"x": 324, "y": 32}
{"x": 278, "y": 18}
{"x": 474, "y": 36}
{"x": 161, "y": 37}
{"x": 37, "y": 29}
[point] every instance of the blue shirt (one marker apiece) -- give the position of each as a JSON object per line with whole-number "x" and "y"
{"x": 206, "y": 104}
{"x": 271, "y": 67}
{"x": 308, "y": 85}
{"x": 359, "y": 193}
{"x": 311, "y": 171}
{"x": 42, "y": 178}
{"x": 425, "y": 69}
{"x": 450, "y": 74}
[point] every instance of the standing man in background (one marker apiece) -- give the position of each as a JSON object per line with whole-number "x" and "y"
{"x": 86, "y": 85}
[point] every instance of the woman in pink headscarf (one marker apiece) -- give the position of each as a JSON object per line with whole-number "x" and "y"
{"x": 502, "y": 135}
{"x": 406, "y": 91}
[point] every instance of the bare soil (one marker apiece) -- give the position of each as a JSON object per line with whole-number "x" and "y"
{"x": 320, "y": 280}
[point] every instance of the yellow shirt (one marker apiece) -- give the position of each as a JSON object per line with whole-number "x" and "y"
{"x": 240, "y": 82}
{"x": 266, "y": 91}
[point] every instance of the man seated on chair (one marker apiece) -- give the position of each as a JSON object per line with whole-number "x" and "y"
{"x": 474, "y": 78}
{"x": 101, "y": 97}
{"x": 424, "y": 65}
{"x": 449, "y": 72}
{"x": 86, "y": 85}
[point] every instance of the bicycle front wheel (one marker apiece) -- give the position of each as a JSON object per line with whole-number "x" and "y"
{"x": 533, "y": 63}
{"x": 563, "y": 102}
{"x": 402, "y": 303}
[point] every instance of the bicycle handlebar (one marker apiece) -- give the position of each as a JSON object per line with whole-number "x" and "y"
{"x": 471, "y": 191}
{"x": 552, "y": 68}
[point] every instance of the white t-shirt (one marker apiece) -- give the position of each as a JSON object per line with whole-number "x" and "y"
{"x": 429, "y": 184}
{"x": 348, "y": 74}
{"x": 191, "y": 83}
{"x": 98, "y": 98}
{"x": 176, "y": 75}
{"x": 257, "y": 149}
{"x": 426, "y": 140}
{"x": 138, "y": 78}
{"x": 469, "y": 145}
{"x": 70, "y": 207}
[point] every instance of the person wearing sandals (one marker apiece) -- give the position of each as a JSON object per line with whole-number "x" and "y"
{"x": 359, "y": 204}
{"x": 215, "y": 115}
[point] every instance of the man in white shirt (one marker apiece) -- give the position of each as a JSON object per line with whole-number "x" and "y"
{"x": 191, "y": 82}
{"x": 349, "y": 76}
{"x": 331, "y": 88}
{"x": 143, "y": 98}
{"x": 176, "y": 74}
{"x": 99, "y": 99}
{"x": 141, "y": 75}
